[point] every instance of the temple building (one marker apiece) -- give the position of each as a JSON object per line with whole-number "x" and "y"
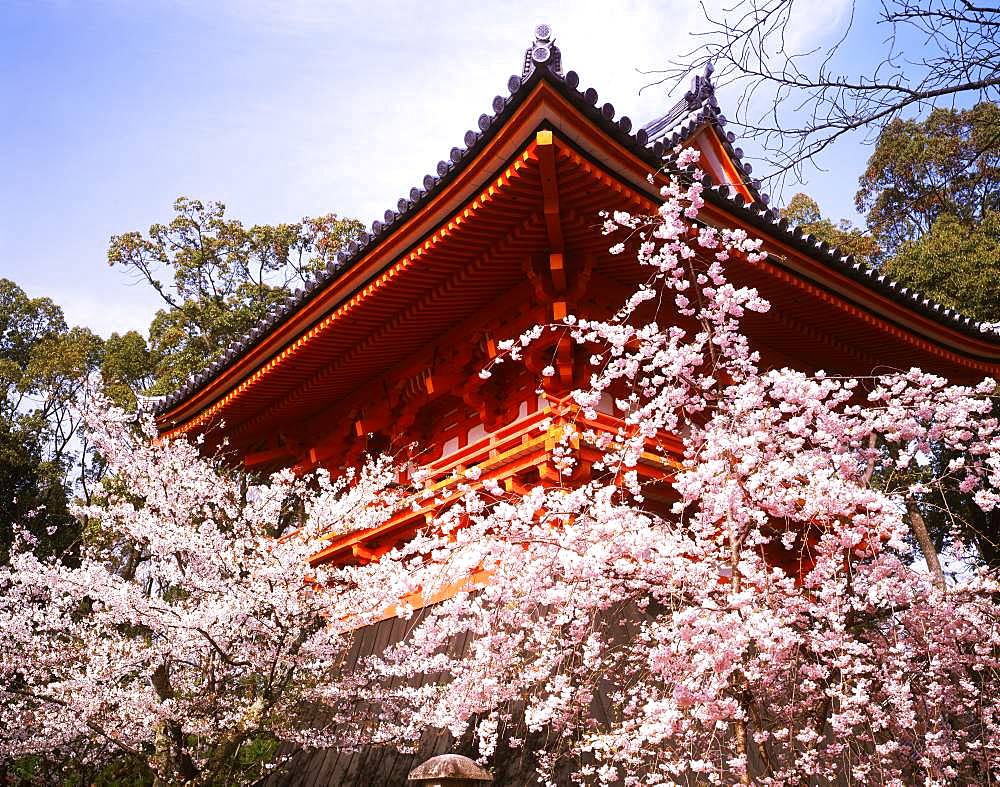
{"x": 382, "y": 352}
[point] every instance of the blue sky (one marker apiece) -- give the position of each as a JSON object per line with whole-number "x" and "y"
{"x": 280, "y": 109}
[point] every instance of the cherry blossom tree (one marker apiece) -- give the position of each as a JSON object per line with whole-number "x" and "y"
{"x": 772, "y": 625}
{"x": 759, "y": 617}
{"x": 187, "y": 636}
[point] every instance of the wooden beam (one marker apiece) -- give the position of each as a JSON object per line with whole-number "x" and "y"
{"x": 265, "y": 457}
{"x": 361, "y": 552}
{"x": 550, "y": 189}
{"x": 557, "y": 270}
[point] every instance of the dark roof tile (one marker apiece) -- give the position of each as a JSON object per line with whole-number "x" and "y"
{"x": 651, "y": 142}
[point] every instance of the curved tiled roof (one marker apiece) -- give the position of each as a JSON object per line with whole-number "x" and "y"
{"x": 650, "y": 143}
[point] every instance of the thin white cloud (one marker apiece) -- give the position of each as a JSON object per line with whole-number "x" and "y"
{"x": 118, "y": 311}
{"x": 363, "y": 148}
{"x": 816, "y": 24}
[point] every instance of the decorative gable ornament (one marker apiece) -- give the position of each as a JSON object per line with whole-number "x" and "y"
{"x": 543, "y": 52}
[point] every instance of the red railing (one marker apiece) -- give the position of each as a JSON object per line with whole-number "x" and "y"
{"x": 501, "y": 455}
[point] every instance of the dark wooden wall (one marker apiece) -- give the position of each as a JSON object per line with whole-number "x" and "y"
{"x": 385, "y": 767}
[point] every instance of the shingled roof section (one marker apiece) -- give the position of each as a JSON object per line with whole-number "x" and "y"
{"x": 652, "y": 143}
{"x": 697, "y": 108}
{"x": 700, "y": 96}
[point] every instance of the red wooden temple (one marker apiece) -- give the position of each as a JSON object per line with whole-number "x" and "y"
{"x": 384, "y": 350}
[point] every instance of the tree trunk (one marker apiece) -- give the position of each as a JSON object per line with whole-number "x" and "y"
{"x": 171, "y": 758}
{"x": 919, "y": 528}
{"x": 742, "y": 734}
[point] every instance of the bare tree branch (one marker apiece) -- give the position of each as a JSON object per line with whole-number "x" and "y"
{"x": 795, "y": 100}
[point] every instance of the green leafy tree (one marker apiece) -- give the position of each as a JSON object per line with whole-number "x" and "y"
{"x": 127, "y": 367}
{"x": 920, "y": 170}
{"x": 43, "y": 368}
{"x": 46, "y": 461}
{"x": 217, "y": 278}
{"x": 33, "y": 493}
{"x": 931, "y": 190}
{"x": 803, "y": 211}
{"x": 932, "y": 195}
{"x": 955, "y": 263}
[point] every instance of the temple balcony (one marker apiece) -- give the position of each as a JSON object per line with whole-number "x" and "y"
{"x": 517, "y": 456}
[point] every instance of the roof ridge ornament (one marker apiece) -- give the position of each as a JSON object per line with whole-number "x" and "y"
{"x": 701, "y": 96}
{"x": 543, "y": 51}
{"x": 701, "y": 87}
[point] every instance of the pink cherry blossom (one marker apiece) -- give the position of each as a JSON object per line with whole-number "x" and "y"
{"x": 760, "y": 619}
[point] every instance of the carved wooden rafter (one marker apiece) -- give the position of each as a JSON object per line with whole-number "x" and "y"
{"x": 303, "y": 390}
